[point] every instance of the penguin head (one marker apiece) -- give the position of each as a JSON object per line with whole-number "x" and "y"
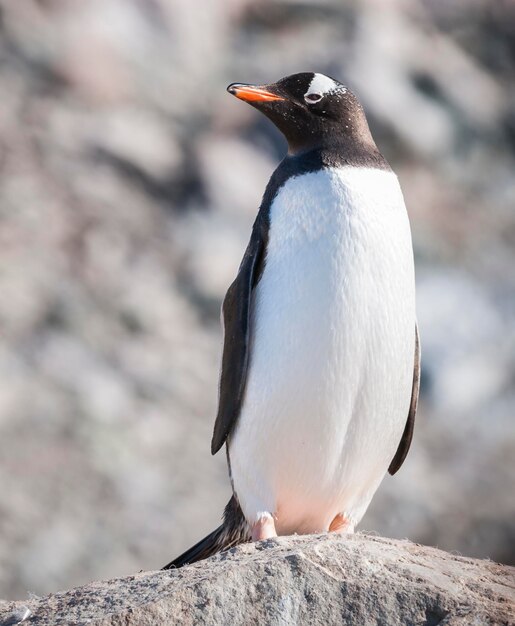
{"x": 311, "y": 110}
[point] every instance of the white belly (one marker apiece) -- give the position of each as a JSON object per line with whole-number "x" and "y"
{"x": 332, "y": 351}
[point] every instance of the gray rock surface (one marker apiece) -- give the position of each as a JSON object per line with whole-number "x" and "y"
{"x": 318, "y": 579}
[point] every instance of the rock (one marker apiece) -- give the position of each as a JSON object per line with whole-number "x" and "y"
{"x": 318, "y": 579}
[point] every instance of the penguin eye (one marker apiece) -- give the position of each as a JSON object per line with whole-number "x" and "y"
{"x": 311, "y": 98}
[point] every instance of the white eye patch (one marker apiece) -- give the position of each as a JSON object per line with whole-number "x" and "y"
{"x": 320, "y": 86}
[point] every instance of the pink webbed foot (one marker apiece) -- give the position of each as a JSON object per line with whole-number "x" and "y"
{"x": 264, "y": 528}
{"x": 341, "y": 524}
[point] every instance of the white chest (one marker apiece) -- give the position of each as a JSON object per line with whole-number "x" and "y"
{"x": 332, "y": 349}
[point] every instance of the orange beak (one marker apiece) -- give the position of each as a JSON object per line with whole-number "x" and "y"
{"x": 249, "y": 93}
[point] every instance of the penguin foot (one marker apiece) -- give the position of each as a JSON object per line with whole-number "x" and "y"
{"x": 341, "y": 524}
{"x": 264, "y": 528}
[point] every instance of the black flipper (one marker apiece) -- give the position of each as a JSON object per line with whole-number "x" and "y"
{"x": 234, "y": 530}
{"x": 407, "y": 435}
{"x": 236, "y": 311}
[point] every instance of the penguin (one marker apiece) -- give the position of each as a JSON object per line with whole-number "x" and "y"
{"x": 320, "y": 368}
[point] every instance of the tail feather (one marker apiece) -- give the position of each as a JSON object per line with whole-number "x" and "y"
{"x": 234, "y": 530}
{"x": 205, "y": 548}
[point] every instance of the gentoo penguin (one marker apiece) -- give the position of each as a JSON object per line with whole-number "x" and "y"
{"x": 320, "y": 369}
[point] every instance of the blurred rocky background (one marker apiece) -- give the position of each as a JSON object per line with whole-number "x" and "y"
{"x": 129, "y": 181}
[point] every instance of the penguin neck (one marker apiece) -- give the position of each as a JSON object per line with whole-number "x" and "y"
{"x": 353, "y": 139}
{"x": 337, "y": 151}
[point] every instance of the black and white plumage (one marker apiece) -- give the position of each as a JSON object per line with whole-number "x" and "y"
{"x": 321, "y": 360}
